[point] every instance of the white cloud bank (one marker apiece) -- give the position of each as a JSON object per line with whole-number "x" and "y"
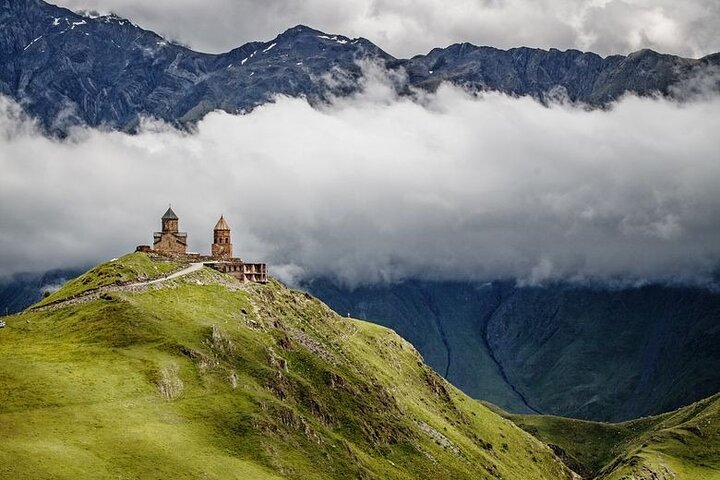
{"x": 409, "y": 27}
{"x": 376, "y": 188}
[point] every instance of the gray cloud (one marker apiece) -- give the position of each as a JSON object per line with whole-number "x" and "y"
{"x": 377, "y": 188}
{"x": 408, "y": 27}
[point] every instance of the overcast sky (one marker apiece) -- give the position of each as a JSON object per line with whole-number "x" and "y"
{"x": 376, "y": 188}
{"x": 408, "y": 27}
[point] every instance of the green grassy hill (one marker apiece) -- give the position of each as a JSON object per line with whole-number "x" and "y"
{"x": 684, "y": 444}
{"x": 204, "y": 377}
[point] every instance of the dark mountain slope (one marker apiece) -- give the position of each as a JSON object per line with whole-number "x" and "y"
{"x": 614, "y": 355}
{"x": 582, "y": 352}
{"x": 66, "y": 69}
{"x": 526, "y": 71}
{"x": 23, "y": 289}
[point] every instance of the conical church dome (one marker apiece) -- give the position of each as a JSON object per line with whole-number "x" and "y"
{"x": 222, "y": 224}
{"x": 170, "y": 215}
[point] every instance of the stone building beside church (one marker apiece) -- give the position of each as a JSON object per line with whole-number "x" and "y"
{"x": 170, "y": 242}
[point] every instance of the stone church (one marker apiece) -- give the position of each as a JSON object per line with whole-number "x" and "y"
{"x": 171, "y": 242}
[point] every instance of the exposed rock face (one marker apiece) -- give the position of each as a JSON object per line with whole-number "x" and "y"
{"x": 69, "y": 69}
{"x": 580, "y": 352}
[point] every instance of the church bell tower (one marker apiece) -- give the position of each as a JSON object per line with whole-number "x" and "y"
{"x": 169, "y": 222}
{"x": 221, "y": 247}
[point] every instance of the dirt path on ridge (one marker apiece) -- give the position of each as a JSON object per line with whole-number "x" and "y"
{"x": 94, "y": 294}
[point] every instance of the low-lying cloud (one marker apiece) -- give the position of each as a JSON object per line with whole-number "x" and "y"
{"x": 377, "y": 188}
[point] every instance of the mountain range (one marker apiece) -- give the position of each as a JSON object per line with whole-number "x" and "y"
{"x": 67, "y": 68}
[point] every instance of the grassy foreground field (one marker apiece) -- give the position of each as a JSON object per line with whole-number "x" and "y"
{"x": 203, "y": 377}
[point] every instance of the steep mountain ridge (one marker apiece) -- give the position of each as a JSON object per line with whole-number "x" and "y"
{"x": 584, "y": 352}
{"x": 67, "y": 69}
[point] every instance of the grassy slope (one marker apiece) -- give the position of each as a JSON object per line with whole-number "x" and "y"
{"x": 443, "y": 320}
{"x": 684, "y": 444}
{"x": 586, "y": 352}
{"x": 204, "y": 378}
{"x": 130, "y": 268}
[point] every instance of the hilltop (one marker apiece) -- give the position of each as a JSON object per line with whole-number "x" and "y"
{"x": 200, "y": 374}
